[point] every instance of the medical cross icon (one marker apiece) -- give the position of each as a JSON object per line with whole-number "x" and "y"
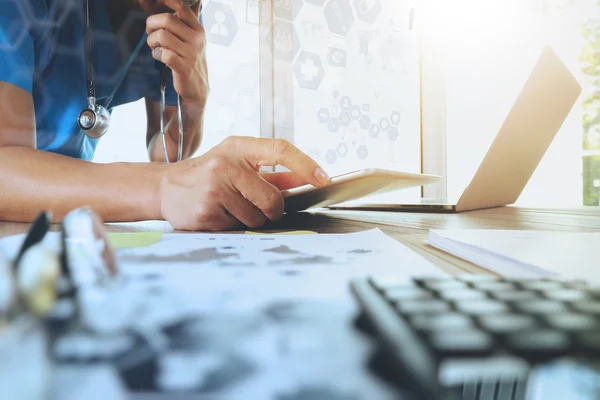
{"x": 309, "y": 70}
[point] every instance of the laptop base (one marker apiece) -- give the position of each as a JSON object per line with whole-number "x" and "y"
{"x": 417, "y": 207}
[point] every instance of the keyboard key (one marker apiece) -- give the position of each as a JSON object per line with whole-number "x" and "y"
{"x": 406, "y": 292}
{"x": 442, "y": 284}
{"x": 412, "y": 307}
{"x": 470, "y": 390}
{"x": 462, "y": 294}
{"x": 520, "y": 392}
{"x": 573, "y": 322}
{"x": 494, "y": 286}
{"x": 541, "y": 284}
{"x": 594, "y": 292}
{"x": 565, "y": 294}
{"x": 488, "y": 389}
{"x": 540, "y": 342}
{"x": 444, "y": 322}
{"x": 582, "y": 285}
{"x": 481, "y": 307}
{"x": 457, "y": 343}
{"x": 588, "y": 307}
{"x": 507, "y": 323}
{"x": 387, "y": 281}
{"x": 589, "y": 341}
{"x": 539, "y": 307}
{"x": 473, "y": 278}
{"x": 506, "y": 389}
{"x": 515, "y": 295}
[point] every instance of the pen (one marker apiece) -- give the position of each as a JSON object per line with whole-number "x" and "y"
{"x": 8, "y": 294}
{"x": 36, "y": 234}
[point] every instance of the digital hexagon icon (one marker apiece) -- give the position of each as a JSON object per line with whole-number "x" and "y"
{"x": 342, "y": 150}
{"x": 287, "y": 9}
{"x": 367, "y": 10}
{"x": 384, "y": 124}
{"x": 362, "y": 152}
{"x": 345, "y": 118}
{"x": 220, "y": 23}
{"x": 339, "y": 16}
{"x": 331, "y": 156}
{"x": 346, "y": 103}
{"x": 334, "y": 125}
{"x": 365, "y": 122}
{"x": 374, "y": 131}
{"x": 285, "y": 40}
{"x": 355, "y": 113}
{"x": 393, "y": 133}
{"x": 323, "y": 115}
{"x": 337, "y": 57}
{"x": 395, "y": 118}
{"x": 309, "y": 70}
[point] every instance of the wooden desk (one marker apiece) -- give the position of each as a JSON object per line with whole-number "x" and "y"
{"x": 409, "y": 228}
{"x": 341, "y": 348}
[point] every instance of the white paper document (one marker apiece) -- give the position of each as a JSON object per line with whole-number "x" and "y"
{"x": 235, "y": 317}
{"x": 237, "y": 270}
{"x": 518, "y": 253}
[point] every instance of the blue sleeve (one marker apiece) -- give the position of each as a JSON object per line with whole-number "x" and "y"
{"x": 17, "y": 58}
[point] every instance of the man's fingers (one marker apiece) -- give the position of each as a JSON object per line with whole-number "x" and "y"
{"x": 223, "y": 221}
{"x": 265, "y": 197}
{"x": 171, "y": 23}
{"x": 171, "y": 59}
{"x": 243, "y": 210}
{"x": 189, "y": 16}
{"x": 166, "y": 40}
{"x": 283, "y": 180}
{"x": 260, "y": 152}
{"x": 184, "y": 12}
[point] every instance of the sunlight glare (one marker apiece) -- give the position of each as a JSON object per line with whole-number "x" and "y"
{"x": 459, "y": 20}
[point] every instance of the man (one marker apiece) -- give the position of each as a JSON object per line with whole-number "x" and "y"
{"x": 45, "y": 156}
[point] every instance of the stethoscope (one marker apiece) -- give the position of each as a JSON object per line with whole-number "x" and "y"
{"x": 95, "y": 119}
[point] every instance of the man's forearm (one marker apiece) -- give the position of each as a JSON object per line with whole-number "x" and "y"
{"x": 33, "y": 180}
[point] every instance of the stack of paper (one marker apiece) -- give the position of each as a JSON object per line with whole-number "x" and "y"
{"x": 520, "y": 254}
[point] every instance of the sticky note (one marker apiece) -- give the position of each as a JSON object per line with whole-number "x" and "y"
{"x": 284, "y": 233}
{"x": 130, "y": 240}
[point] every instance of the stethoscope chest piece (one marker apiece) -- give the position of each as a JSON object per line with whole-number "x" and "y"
{"x": 94, "y": 121}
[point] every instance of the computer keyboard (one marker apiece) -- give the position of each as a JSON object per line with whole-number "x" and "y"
{"x": 496, "y": 330}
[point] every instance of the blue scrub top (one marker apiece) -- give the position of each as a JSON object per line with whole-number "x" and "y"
{"x": 41, "y": 51}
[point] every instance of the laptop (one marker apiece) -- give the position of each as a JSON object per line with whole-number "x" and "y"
{"x": 535, "y": 118}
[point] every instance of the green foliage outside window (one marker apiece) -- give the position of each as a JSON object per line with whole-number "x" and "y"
{"x": 590, "y": 59}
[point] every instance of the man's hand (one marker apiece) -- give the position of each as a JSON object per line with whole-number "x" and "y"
{"x": 179, "y": 41}
{"x": 223, "y": 189}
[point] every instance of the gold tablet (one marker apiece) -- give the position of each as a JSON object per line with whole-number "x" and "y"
{"x": 352, "y": 186}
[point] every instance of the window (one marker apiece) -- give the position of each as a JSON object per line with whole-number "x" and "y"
{"x": 346, "y": 82}
{"x": 489, "y": 48}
